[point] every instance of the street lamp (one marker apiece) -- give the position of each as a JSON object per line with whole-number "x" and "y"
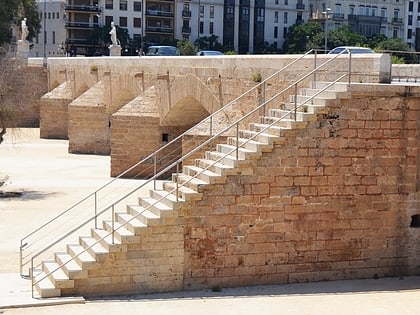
{"x": 326, "y": 12}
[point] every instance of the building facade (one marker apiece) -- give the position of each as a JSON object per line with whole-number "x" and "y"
{"x": 366, "y": 17}
{"x": 412, "y": 24}
{"x": 50, "y": 41}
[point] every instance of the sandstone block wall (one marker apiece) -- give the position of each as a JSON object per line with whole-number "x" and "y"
{"x": 334, "y": 202}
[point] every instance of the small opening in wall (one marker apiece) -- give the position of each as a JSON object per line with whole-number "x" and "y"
{"x": 165, "y": 137}
{"x": 415, "y": 221}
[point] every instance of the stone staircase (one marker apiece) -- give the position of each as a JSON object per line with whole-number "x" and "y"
{"x": 60, "y": 275}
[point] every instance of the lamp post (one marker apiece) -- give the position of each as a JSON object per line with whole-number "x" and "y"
{"x": 327, "y": 12}
{"x": 45, "y": 29}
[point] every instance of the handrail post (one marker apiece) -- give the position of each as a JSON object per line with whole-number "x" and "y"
{"x": 20, "y": 259}
{"x": 96, "y": 210}
{"x": 315, "y": 61}
{"x": 177, "y": 179}
{"x": 263, "y": 96}
{"x": 296, "y": 90}
{"x": 237, "y": 141}
{"x": 211, "y": 125}
{"x": 31, "y": 274}
{"x": 349, "y": 67}
{"x": 154, "y": 171}
{"x": 113, "y": 220}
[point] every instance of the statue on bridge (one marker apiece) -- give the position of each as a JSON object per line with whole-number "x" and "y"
{"x": 24, "y": 30}
{"x": 113, "y": 33}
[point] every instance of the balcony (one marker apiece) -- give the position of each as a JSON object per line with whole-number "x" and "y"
{"x": 186, "y": 13}
{"x": 152, "y": 12}
{"x": 338, "y": 16}
{"x": 81, "y": 25}
{"x": 300, "y": 6}
{"x": 186, "y": 30}
{"x": 159, "y": 29}
{"x": 396, "y": 20}
{"x": 83, "y": 8}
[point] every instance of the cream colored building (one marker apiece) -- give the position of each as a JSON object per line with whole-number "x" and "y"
{"x": 366, "y": 17}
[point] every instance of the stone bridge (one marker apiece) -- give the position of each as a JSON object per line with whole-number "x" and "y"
{"x": 130, "y": 106}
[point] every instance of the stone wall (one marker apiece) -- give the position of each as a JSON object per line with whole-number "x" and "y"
{"x": 335, "y": 201}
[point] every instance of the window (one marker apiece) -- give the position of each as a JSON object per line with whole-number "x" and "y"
{"x": 410, "y": 20}
{"x": 49, "y": 15}
{"x": 409, "y": 33}
{"x": 201, "y": 27}
{"x": 201, "y": 11}
{"x": 260, "y": 15}
{"x": 230, "y": 10}
{"x": 123, "y": 5}
{"x": 211, "y": 27}
{"x": 285, "y": 17}
{"x": 352, "y": 9}
{"x": 45, "y": 37}
{"x": 58, "y": 15}
{"x": 137, "y": 22}
{"x": 276, "y": 32}
{"x": 374, "y": 10}
{"x": 396, "y": 14}
{"x": 123, "y": 21}
{"x": 284, "y": 32}
{"x": 395, "y": 33}
{"x": 109, "y": 4}
{"x": 245, "y": 11}
{"x": 108, "y": 19}
{"x": 276, "y": 16}
{"x": 410, "y": 6}
{"x": 362, "y": 10}
{"x": 53, "y": 37}
{"x": 286, "y": 2}
{"x": 276, "y": 2}
{"x": 137, "y": 6}
{"x": 212, "y": 11}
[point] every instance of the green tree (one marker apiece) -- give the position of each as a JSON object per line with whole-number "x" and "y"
{"x": 209, "y": 43}
{"x": 186, "y": 47}
{"x": 345, "y": 37}
{"x": 13, "y": 12}
{"x": 398, "y": 48}
{"x": 299, "y": 38}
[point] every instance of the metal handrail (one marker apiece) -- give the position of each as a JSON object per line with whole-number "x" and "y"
{"x": 177, "y": 163}
{"x": 25, "y": 241}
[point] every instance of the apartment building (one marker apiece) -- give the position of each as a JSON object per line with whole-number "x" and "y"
{"x": 51, "y": 39}
{"x": 366, "y": 17}
{"x": 240, "y": 25}
{"x": 412, "y": 24}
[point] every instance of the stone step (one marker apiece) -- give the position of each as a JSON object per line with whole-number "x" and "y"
{"x": 132, "y": 224}
{"x": 121, "y": 233}
{"x": 110, "y": 243}
{"x": 239, "y": 153}
{"x": 190, "y": 182}
{"x": 57, "y": 276}
{"x": 145, "y": 216}
{"x": 251, "y": 145}
{"x": 290, "y": 114}
{"x": 215, "y": 167}
{"x": 329, "y": 93}
{"x": 222, "y": 158}
{"x": 309, "y": 100}
{"x": 184, "y": 193}
{"x": 81, "y": 256}
{"x": 273, "y": 130}
{"x": 285, "y": 123}
{"x": 45, "y": 287}
{"x": 166, "y": 197}
{"x": 203, "y": 174}
{"x": 260, "y": 136}
{"x": 159, "y": 208}
{"x": 70, "y": 267}
{"x": 338, "y": 86}
{"x": 94, "y": 247}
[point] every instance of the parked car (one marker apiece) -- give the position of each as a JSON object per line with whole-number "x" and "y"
{"x": 163, "y": 51}
{"x": 209, "y": 53}
{"x": 354, "y": 50}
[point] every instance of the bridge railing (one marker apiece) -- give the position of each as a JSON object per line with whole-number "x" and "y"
{"x": 114, "y": 196}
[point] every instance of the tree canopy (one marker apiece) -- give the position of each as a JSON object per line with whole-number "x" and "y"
{"x": 12, "y": 12}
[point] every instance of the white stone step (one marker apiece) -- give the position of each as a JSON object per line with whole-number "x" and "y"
{"x": 71, "y": 268}
{"x": 261, "y": 137}
{"x": 145, "y": 216}
{"x": 287, "y": 123}
{"x": 57, "y": 275}
{"x": 121, "y": 233}
{"x": 251, "y": 145}
{"x": 159, "y": 208}
{"x": 222, "y": 158}
{"x": 166, "y": 197}
{"x": 190, "y": 182}
{"x": 309, "y": 100}
{"x": 233, "y": 151}
{"x": 203, "y": 174}
{"x": 273, "y": 130}
{"x": 216, "y": 167}
{"x": 132, "y": 224}
{"x": 184, "y": 193}
{"x": 112, "y": 244}
{"x": 82, "y": 257}
{"x": 45, "y": 287}
{"x": 94, "y": 247}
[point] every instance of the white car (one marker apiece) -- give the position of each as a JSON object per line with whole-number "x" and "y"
{"x": 354, "y": 50}
{"x": 209, "y": 53}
